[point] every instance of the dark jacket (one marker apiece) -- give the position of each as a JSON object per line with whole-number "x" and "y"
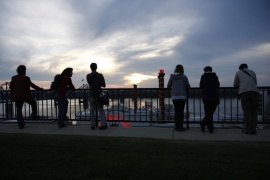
{"x": 64, "y": 85}
{"x": 95, "y": 81}
{"x": 20, "y": 88}
{"x": 210, "y": 84}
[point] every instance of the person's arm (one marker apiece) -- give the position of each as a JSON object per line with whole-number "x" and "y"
{"x": 11, "y": 84}
{"x": 236, "y": 80}
{"x": 218, "y": 83}
{"x": 32, "y": 85}
{"x": 70, "y": 84}
{"x": 103, "y": 84}
{"x": 187, "y": 83}
{"x": 169, "y": 85}
{"x": 201, "y": 82}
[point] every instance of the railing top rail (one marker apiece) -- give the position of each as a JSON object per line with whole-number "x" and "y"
{"x": 259, "y": 87}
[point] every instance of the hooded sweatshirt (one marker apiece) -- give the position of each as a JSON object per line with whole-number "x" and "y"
{"x": 179, "y": 84}
{"x": 209, "y": 83}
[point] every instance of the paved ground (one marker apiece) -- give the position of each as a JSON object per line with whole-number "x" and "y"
{"x": 193, "y": 133}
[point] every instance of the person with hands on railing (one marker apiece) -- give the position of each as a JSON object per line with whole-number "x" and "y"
{"x": 20, "y": 92}
{"x": 64, "y": 86}
{"x": 246, "y": 82}
{"x": 210, "y": 96}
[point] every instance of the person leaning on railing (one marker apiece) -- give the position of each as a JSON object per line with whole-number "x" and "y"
{"x": 246, "y": 82}
{"x": 179, "y": 83}
{"x": 209, "y": 83}
{"x": 65, "y": 84}
{"x": 20, "y": 92}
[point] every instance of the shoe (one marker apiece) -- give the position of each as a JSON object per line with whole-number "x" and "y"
{"x": 103, "y": 127}
{"x": 93, "y": 127}
{"x": 180, "y": 129}
{"x": 202, "y": 127}
{"x": 244, "y": 131}
{"x": 210, "y": 128}
{"x": 62, "y": 126}
{"x": 35, "y": 117}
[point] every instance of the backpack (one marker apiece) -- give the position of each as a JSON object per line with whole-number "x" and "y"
{"x": 56, "y": 82}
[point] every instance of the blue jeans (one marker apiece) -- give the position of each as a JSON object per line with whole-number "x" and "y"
{"x": 62, "y": 108}
{"x": 93, "y": 106}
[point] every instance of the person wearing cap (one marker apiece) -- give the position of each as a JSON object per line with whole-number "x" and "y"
{"x": 246, "y": 82}
{"x": 20, "y": 92}
{"x": 210, "y": 84}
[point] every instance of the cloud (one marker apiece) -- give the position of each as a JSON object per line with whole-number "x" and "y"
{"x": 131, "y": 40}
{"x": 136, "y": 78}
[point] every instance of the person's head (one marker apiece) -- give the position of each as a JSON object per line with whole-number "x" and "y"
{"x": 21, "y": 70}
{"x": 179, "y": 69}
{"x": 207, "y": 69}
{"x": 243, "y": 66}
{"x": 68, "y": 71}
{"x": 93, "y": 66}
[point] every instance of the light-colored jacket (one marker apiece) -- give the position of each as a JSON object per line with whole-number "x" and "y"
{"x": 179, "y": 84}
{"x": 244, "y": 82}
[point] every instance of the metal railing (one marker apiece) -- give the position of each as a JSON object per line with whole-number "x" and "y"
{"x": 140, "y": 105}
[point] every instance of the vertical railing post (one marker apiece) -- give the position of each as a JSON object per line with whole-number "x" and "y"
{"x": 187, "y": 110}
{"x": 135, "y": 98}
{"x": 161, "y": 75}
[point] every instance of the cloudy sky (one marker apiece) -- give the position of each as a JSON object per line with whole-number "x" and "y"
{"x": 131, "y": 40}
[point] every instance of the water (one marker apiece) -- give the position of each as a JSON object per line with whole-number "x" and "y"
{"x": 48, "y": 108}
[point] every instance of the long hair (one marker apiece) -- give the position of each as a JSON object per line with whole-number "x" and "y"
{"x": 67, "y": 71}
{"x": 179, "y": 69}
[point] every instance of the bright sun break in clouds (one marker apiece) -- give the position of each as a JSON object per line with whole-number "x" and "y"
{"x": 136, "y": 78}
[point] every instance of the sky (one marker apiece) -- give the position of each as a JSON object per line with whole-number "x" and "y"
{"x": 131, "y": 40}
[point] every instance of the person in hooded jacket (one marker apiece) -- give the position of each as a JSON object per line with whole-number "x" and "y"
{"x": 209, "y": 83}
{"x": 179, "y": 83}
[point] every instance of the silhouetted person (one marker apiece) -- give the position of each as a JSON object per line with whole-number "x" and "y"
{"x": 96, "y": 81}
{"x": 20, "y": 92}
{"x": 65, "y": 84}
{"x": 179, "y": 84}
{"x": 246, "y": 82}
{"x": 209, "y": 83}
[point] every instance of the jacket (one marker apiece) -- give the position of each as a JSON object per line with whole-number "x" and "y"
{"x": 20, "y": 88}
{"x": 179, "y": 84}
{"x": 95, "y": 81}
{"x": 209, "y": 83}
{"x": 64, "y": 85}
{"x": 244, "y": 82}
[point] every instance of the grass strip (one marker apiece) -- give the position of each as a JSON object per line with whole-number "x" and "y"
{"x": 28, "y": 156}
